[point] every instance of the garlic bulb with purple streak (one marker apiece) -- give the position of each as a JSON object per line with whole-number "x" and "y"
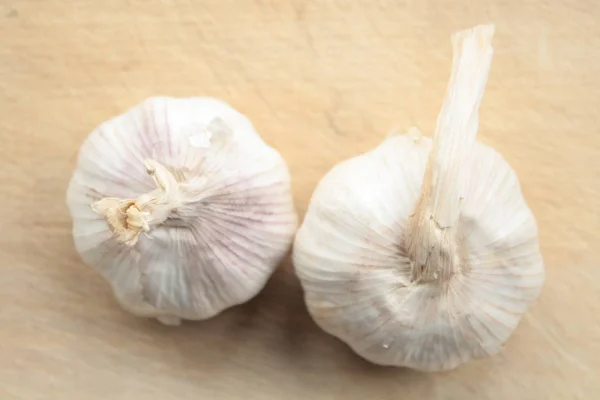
{"x": 182, "y": 207}
{"x": 423, "y": 253}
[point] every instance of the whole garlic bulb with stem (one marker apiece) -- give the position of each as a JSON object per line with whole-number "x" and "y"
{"x": 421, "y": 253}
{"x": 182, "y": 207}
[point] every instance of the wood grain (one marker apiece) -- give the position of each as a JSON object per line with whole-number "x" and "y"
{"x": 322, "y": 81}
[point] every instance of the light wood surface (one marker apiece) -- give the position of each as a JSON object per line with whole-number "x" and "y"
{"x": 322, "y": 81}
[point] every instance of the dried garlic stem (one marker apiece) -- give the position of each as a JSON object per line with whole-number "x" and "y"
{"x": 128, "y": 218}
{"x": 432, "y": 244}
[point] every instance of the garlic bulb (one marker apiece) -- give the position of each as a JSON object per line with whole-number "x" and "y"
{"x": 423, "y": 253}
{"x": 182, "y": 207}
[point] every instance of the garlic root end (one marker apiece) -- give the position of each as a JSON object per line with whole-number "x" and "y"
{"x": 128, "y": 218}
{"x": 169, "y": 320}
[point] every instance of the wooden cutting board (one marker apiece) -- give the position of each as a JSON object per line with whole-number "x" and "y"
{"x": 322, "y": 81}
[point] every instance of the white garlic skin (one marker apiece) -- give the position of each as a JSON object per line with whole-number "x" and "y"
{"x": 216, "y": 251}
{"x": 351, "y": 258}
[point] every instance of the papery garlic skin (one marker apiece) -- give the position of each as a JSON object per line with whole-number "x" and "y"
{"x": 361, "y": 277}
{"x": 206, "y": 211}
{"x": 350, "y": 255}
